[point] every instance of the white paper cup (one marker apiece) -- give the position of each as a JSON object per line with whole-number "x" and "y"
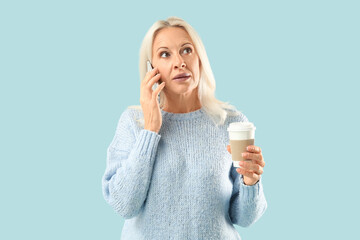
{"x": 241, "y": 135}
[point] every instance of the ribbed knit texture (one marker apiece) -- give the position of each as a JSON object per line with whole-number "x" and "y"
{"x": 178, "y": 183}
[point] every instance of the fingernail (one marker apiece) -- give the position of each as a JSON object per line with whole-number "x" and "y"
{"x": 243, "y": 154}
{"x": 248, "y": 148}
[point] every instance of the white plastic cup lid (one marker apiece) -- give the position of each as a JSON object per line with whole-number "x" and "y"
{"x": 241, "y": 126}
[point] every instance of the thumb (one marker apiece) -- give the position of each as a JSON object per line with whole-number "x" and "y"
{"x": 229, "y": 148}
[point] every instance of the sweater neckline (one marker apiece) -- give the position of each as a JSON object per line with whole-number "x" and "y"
{"x": 183, "y": 116}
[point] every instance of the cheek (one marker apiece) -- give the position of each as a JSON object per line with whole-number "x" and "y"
{"x": 196, "y": 68}
{"x": 165, "y": 73}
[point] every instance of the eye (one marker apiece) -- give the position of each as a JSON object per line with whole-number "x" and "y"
{"x": 189, "y": 50}
{"x": 162, "y": 54}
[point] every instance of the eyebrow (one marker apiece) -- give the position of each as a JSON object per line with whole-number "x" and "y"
{"x": 168, "y": 48}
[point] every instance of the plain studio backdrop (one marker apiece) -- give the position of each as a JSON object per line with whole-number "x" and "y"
{"x": 68, "y": 69}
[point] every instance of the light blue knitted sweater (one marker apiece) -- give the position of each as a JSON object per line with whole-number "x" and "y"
{"x": 178, "y": 183}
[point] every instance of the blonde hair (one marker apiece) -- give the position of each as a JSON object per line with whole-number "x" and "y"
{"x": 215, "y": 108}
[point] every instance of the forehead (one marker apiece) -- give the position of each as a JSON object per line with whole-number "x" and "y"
{"x": 170, "y": 37}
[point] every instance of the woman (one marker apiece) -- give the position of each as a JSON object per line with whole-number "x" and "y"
{"x": 168, "y": 171}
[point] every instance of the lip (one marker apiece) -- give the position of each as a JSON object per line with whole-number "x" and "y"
{"x": 181, "y": 77}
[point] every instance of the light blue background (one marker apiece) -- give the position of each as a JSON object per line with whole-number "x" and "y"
{"x": 68, "y": 69}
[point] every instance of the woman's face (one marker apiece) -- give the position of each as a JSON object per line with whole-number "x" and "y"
{"x": 174, "y": 53}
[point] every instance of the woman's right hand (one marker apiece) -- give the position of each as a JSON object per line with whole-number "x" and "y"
{"x": 149, "y": 102}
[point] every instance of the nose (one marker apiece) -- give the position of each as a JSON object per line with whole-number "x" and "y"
{"x": 179, "y": 62}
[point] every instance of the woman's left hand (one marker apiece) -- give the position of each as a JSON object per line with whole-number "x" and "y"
{"x": 252, "y": 169}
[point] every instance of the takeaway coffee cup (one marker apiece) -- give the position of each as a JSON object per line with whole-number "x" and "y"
{"x": 241, "y": 135}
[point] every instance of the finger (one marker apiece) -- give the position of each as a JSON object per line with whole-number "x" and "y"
{"x": 252, "y": 156}
{"x": 255, "y": 157}
{"x": 151, "y": 74}
{"x": 247, "y": 173}
{"x": 153, "y": 80}
{"x": 251, "y": 167}
{"x": 261, "y": 163}
{"x": 254, "y": 149}
{"x": 229, "y": 148}
{"x": 158, "y": 89}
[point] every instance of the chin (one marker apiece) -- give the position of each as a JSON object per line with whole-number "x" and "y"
{"x": 180, "y": 88}
{"x": 184, "y": 90}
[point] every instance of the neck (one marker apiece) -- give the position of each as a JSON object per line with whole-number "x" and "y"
{"x": 182, "y": 103}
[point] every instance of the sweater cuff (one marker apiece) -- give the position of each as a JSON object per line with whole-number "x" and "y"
{"x": 250, "y": 193}
{"x": 147, "y": 142}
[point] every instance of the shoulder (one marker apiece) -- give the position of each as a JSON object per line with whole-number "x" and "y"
{"x": 133, "y": 115}
{"x": 134, "y": 111}
{"x": 234, "y": 115}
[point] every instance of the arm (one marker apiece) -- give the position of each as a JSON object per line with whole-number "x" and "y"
{"x": 129, "y": 166}
{"x": 247, "y": 203}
